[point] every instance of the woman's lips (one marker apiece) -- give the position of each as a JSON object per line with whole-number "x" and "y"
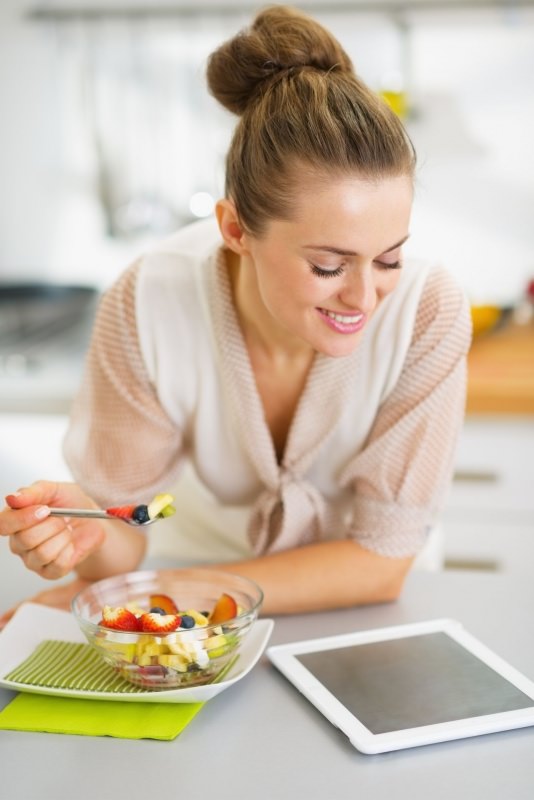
{"x": 342, "y": 323}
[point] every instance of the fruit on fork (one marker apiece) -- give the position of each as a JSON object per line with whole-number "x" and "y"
{"x": 159, "y": 508}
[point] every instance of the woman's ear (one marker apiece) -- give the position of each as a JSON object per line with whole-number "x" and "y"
{"x": 230, "y": 227}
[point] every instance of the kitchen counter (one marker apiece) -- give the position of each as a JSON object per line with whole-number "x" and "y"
{"x": 501, "y": 371}
{"x": 261, "y": 739}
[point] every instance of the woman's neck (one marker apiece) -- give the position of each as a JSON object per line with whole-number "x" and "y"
{"x": 261, "y": 332}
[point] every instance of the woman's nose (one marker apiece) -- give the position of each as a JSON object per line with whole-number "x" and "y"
{"x": 359, "y": 292}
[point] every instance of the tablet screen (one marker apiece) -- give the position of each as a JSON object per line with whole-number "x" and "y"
{"x": 418, "y": 680}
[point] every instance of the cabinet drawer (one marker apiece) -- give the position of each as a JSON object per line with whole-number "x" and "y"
{"x": 488, "y": 546}
{"x": 494, "y": 466}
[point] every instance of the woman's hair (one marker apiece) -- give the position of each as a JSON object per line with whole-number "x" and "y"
{"x": 303, "y": 113}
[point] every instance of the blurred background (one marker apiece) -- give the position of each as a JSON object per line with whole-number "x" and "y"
{"x": 109, "y": 141}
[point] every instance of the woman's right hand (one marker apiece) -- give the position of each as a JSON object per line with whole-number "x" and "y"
{"x": 50, "y": 546}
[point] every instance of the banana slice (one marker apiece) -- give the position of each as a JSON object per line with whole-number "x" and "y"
{"x": 157, "y": 505}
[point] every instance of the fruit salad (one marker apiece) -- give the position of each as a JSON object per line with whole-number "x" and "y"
{"x": 160, "y": 506}
{"x": 169, "y": 646}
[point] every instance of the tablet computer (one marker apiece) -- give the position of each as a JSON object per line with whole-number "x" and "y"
{"x": 408, "y": 685}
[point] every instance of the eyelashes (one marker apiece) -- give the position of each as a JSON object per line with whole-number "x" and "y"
{"x": 335, "y": 273}
{"x": 326, "y": 273}
{"x": 395, "y": 265}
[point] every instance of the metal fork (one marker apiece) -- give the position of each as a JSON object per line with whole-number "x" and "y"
{"x": 99, "y": 513}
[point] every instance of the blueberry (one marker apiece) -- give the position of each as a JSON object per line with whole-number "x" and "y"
{"x": 187, "y": 622}
{"x": 140, "y": 514}
{"x": 158, "y": 610}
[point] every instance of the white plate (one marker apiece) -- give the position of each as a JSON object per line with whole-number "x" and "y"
{"x": 34, "y": 623}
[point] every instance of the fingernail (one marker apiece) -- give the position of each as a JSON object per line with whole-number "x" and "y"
{"x": 12, "y": 494}
{"x": 41, "y": 512}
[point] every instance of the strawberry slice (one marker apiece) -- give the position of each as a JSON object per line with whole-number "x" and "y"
{"x": 124, "y": 512}
{"x": 165, "y": 602}
{"x": 160, "y": 623}
{"x": 119, "y": 619}
{"x": 224, "y": 609}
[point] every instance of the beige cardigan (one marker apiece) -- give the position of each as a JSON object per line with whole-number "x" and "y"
{"x": 169, "y": 401}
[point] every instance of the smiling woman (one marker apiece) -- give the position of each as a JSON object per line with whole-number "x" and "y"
{"x": 294, "y": 383}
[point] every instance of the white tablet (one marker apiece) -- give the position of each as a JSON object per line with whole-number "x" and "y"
{"x": 408, "y": 685}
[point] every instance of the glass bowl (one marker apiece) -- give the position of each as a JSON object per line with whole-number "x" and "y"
{"x": 184, "y": 657}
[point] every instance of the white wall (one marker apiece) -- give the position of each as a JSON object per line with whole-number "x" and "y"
{"x": 471, "y": 85}
{"x": 50, "y": 225}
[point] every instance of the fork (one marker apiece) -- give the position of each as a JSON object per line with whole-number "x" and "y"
{"x": 99, "y": 513}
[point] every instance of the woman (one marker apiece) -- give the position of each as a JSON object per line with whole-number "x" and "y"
{"x": 300, "y": 386}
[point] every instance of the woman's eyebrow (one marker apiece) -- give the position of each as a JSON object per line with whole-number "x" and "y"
{"x": 399, "y": 244}
{"x": 340, "y": 252}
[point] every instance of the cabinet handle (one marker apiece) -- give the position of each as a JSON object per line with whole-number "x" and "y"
{"x": 476, "y": 476}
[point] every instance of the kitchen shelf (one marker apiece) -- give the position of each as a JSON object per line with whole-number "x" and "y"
{"x": 195, "y": 8}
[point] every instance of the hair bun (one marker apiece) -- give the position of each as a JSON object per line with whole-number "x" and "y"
{"x": 280, "y": 39}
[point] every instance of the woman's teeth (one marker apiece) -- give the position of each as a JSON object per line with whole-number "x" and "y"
{"x": 346, "y": 320}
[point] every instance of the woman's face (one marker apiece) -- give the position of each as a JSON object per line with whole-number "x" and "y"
{"x": 321, "y": 275}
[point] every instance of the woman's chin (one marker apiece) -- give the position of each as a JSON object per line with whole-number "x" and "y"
{"x": 341, "y": 346}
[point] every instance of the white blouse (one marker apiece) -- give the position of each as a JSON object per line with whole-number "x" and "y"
{"x": 169, "y": 401}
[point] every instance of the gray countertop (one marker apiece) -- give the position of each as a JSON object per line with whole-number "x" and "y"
{"x": 262, "y": 739}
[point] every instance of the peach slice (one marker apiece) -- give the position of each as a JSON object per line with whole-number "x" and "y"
{"x": 224, "y": 609}
{"x": 165, "y": 602}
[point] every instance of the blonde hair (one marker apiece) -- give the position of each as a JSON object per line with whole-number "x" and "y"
{"x": 303, "y": 111}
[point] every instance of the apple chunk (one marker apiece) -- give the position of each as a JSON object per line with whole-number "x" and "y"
{"x": 224, "y": 609}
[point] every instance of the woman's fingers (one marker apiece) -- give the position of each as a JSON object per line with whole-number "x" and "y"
{"x": 49, "y": 546}
{"x": 28, "y": 538}
{"x": 55, "y": 547}
{"x": 39, "y": 493}
{"x": 53, "y": 558}
{"x": 14, "y": 521}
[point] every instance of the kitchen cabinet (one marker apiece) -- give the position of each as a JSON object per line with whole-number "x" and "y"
{"x": 488, "y": 522}
{"x": 489, "y": 518}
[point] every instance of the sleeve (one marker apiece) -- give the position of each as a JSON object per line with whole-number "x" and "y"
{"x": 120, "y": 445}
{"x": 401, "y": 476}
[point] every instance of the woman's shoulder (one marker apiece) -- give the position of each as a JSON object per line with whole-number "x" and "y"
{"x": 195, "y": 241}
{"x": 171, "y": 276}
{"x": 443, "y": 310}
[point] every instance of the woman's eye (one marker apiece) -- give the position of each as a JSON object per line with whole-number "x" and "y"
{"x": 391, "y": 260}
{"x": 390, "y": 265}
{"x": 326, "y": 273}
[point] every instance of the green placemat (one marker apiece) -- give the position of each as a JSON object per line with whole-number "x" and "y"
{"x": 67, "y": 665}
{"x": 43, "y": 713}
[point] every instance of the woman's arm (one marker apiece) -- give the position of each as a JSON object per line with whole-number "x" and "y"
{"x": 323, "y": 576}
{"x": 401, "y": 477}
